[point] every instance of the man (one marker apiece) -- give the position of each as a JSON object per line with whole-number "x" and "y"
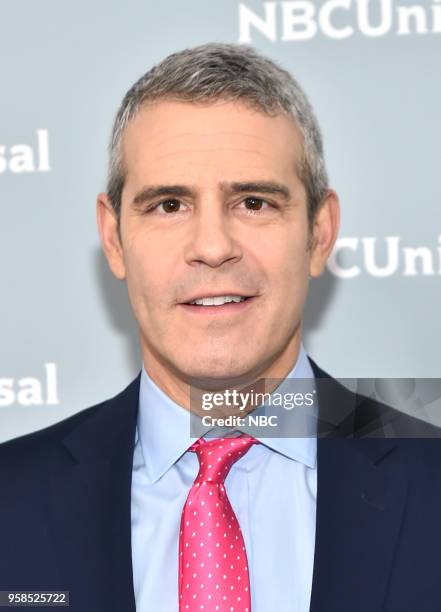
{"x": 217, "y": 214}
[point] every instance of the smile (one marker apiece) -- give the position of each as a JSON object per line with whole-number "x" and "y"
{"x": 220, "y": 309}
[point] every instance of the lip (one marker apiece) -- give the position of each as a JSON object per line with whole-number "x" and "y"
{"x": 229, "y": 309}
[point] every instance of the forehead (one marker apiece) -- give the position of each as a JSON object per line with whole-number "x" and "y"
{"x": 181, "y": 139}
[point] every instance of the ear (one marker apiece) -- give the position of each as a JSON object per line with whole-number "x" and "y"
{"x": 325, "y": 230}
{"x": 108, "y": 231}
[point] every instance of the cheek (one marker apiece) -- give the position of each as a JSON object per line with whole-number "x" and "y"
{"x": 288, "y": 265}
{"x": 143, "y": 275}
{"x": 150, "y": 281}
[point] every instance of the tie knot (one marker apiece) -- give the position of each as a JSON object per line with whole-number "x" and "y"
{"x": 218, "y": 455}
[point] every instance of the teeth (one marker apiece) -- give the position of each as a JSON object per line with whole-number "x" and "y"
{"x": 218, "y": 301}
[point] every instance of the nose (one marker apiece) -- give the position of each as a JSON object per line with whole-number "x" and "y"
{"x": 211, "y": 239}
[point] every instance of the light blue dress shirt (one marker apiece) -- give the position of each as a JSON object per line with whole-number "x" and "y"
{"x": 272, "y": 490}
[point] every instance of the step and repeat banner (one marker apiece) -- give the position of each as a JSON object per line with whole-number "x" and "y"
{"x": 371, "y": 70}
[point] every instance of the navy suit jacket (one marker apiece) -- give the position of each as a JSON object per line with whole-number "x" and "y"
{"x": 65, "y": 508}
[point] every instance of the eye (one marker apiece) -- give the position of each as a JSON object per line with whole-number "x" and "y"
{"x": 256, "y": 204}
{"x": 169, "y": 206}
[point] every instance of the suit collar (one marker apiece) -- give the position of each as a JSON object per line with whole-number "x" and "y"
{"x": 339, "y": 416}
{"x": 110, "y": 425}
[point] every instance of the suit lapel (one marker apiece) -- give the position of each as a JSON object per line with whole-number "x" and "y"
{"x": 90, "y": 506}
{"x": 361, "y": 493}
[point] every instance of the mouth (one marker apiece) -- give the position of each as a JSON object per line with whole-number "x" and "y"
{"x": 215, "y": 310}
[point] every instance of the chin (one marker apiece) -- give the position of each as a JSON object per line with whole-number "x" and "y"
{"x": 216, "y": 369}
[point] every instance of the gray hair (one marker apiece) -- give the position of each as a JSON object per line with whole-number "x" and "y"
{"x": 230, "y": 72}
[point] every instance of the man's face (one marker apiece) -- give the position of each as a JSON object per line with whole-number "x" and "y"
{"x": 212, "y": 204}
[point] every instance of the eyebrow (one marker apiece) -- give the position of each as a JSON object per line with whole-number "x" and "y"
{"x": 269, "y": 187}
{"x": 150, "y": 193}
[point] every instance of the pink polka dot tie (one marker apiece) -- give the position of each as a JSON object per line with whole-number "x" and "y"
{"x": 213, "y": 566}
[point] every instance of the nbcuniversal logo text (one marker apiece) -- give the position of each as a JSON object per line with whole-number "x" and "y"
{"x": 29, "y": 390}
{"x": 25, "y": 158}
{"x": 383, "y": 258}
{"x": 300, "y": 20}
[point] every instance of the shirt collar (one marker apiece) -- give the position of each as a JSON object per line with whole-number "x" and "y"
{"x": 163, "y": 427}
